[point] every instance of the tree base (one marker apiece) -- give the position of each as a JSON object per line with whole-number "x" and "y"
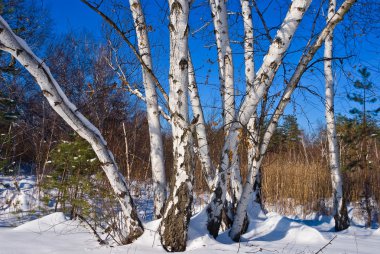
{"x": 342, "y": 221}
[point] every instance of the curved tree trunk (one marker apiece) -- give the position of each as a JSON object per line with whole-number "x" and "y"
{"x": 174, "y": 225}
{"x": 262, "y": 81}
{"x": 339, "y": 207}
{"x": 12, "y": 44}
{"x": 237, "y": 227}
{"x": 155, "y": 135}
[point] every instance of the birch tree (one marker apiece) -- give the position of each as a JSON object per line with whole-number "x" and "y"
{"x": 262, "y": 82}
{"x": 237, "y": 227}
{"x": 150, "y": 81}
{"x": 174, "y": 225}
{"x": 339, "y": 207}
{"x": 226, "y": 80}
{"x": 153, "y": 115}
{"x": 200, "y": 129}
{"x": 17, "y": 47}
{"x": 183, "y": 89}
{"x": 249, "y": 70}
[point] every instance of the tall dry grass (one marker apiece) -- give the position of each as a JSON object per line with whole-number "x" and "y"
{"x": 294, "y": 187}
{"x": 297, "y": 187}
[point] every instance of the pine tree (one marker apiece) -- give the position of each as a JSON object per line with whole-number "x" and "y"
{"x": 364, "y": 95}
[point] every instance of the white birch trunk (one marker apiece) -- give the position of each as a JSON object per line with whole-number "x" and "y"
{"x": 155, "y": 135}
{"x": 12, "y": 44}
{"x": 237, "y": 227}
{"x": 273, "y": 58}
{"x": 262, "y": 81}
{"x": 226, "y": 79}
{"x": 252, "y": 167}
{"x": 126, "y": 154}
{"x": 229, "y": 99}
{"x": 200, "y": 129}
{"x": 250, "y": 78}
{"x": 339, "y": 207}
{"x": 174, "y": 225}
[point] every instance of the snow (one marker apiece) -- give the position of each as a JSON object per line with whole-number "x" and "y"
{"x": 267, "y": 233}
{"x": 56, "y": 234}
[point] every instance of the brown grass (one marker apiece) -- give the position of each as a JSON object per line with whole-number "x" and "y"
{"x": 297, "y": 187}
{"x": 287, "y": 184}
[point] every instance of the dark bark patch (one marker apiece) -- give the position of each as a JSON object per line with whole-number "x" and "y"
{"x": 47, "y": 93}
{"x": 19, "y": 51}
{"x": 301, "y": 9}
{"x": 342, "y": 220}
{"x": 273, "y": 65}
{"x": 183, "y": 64}
{"x": 175, "y": 7}
{"x": 122, "y": 194}
{"x": 175, "y": 224}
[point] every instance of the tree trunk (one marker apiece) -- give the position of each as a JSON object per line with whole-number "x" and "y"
{"x": 155, "y": 135}
{"x": 174, "y": 225}
{"x": 200, "y": 129}
{"x": 252, "y": 126}
{"x": 12, "y": 44}
{"x": 226, "y": 79}
{"x": 127, "y": 165}
{"x": 262, "y": 81}
{"x": 238, "y": 224}
{"x": 339, "y": 206}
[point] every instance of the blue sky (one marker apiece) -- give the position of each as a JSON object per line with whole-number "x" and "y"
{"x": 72, "y": 15}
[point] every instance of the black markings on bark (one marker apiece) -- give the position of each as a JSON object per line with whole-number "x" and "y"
{"x": 301, "y": 9}
{"x": 47, "y": 93}
{"x": 263, "y": 77}
{"x": 342, "y": 220}
{"x": 19, "y": 51}
{"x": 175, "y": 7}
{"x": 213, "y": 225}
{"x": 171, "y": 27}
{"x": 186, "y": 30}
{"x": 183, "y": 64}
{"x": 135, "y": 5}
{"x": 273, "y": 65}
{"x": 122, "y": 195}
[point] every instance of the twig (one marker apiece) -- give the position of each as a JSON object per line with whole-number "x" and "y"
{"x": 325, "y": 246}
{"x": 267, "y": 33}
{"x": 100, "y": 240}
{"x": 130, "y": 45}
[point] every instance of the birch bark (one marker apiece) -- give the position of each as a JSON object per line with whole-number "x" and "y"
{"x": 174, "y": 225}
{"x": 237, "y": 227}
{"x": 273, "y": 58}
{"x": 155, "y": 135}
{"x": 262, "y": 82}
{"x": 17, "y": 47}
{"x": 226, "y": 79}
{"x": 249, "y": 77}
{"x": 200, "y": 129}
{"x": 339, "y": 207}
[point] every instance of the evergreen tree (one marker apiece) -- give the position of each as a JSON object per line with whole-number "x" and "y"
{"x": 8, "y": 111}
{"x": 363, "y": 95}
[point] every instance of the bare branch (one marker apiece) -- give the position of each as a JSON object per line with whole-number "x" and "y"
{"x": 130, "y": 45}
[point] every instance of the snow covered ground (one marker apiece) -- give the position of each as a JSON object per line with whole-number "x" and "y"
{"x": 268, "y": 233}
